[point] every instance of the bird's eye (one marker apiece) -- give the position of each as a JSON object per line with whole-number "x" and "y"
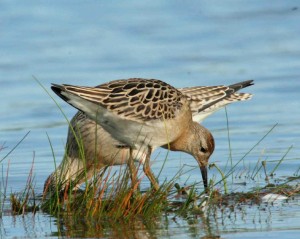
{"x": 203, "y": 150}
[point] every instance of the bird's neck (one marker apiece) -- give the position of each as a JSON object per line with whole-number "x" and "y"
{"x": 183, "y": 142}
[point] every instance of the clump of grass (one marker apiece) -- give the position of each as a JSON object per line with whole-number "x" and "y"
{"x": 3, "y": 185}
{"x": 111, "y": 198}
{"x": 24, "y": 202}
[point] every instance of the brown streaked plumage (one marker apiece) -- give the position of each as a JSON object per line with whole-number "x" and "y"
{"x": 142, "y": 115}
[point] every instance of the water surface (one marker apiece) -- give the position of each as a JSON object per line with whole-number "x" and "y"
{"x": 184, "y": 44}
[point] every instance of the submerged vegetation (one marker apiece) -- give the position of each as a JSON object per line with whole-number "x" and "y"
{"x": 107, "y": 197}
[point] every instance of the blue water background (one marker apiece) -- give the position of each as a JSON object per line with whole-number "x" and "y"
{"x": 183, "y": 43}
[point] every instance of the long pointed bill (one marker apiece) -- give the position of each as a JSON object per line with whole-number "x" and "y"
{"x": 204, "y": 176}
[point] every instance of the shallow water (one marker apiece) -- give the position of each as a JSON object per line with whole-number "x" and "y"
{"x": 206, "y": 43}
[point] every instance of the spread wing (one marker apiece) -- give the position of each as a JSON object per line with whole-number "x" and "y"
{"x": 205, "y": 100}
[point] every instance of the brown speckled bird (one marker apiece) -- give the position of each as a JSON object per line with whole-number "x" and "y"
{"x": 125, "y": 120}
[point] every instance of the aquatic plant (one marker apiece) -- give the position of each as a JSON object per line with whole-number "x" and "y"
{"x": 4, "y": 181}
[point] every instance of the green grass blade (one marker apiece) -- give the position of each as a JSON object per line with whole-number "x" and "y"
{"x": 15, "y": 146}
{"x": 280, "y": 161}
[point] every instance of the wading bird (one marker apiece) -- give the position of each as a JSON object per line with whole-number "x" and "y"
{"x": 126, "y": 120}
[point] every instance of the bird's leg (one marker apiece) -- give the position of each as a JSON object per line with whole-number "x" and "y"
{"x": 132, "y": 169}
{"x": 148, "y": 172}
